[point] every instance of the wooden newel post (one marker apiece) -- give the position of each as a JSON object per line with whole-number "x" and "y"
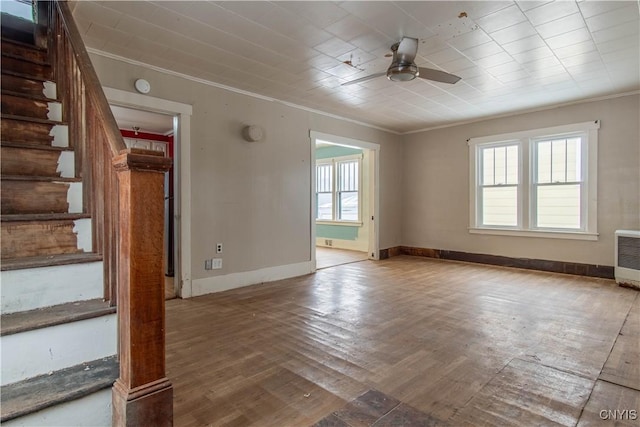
{"x": 142, "y": 396}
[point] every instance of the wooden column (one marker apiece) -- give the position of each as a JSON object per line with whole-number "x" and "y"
{"x": 142, "y": 396}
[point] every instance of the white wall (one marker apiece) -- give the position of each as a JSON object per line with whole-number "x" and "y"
{"x": 255, "y": 197}
{"x": 436, "y": 184}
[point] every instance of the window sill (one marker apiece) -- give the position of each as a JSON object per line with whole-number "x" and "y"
{"x": 343, "y": 223}
{"x": 572, "y": 235}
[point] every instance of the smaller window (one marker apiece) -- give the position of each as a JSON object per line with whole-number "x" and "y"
{"x": 338, "y": 189}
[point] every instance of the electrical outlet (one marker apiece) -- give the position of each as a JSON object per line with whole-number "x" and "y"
{"x": 208, "y": 264}
{"x": 219, "y": 248}
{"x": 217, "y": 263}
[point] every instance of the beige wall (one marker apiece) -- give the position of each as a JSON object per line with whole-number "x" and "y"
{"x": 255, "y": 197}
{"x": 436, "y": 184}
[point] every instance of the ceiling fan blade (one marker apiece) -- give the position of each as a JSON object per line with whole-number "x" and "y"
{"x": 437, "y": 75}
{"x": 407, "y": 49}
{"x": 364, "y": 79}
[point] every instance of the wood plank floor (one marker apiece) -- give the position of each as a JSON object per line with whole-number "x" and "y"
{"x": 451, "y": 343}
{"x": 332, "y": 257}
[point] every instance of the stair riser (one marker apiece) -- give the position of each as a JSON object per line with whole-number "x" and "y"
{"x": 26, "y": 107}
{"x": 37, "y": 238}
{"x": 26, "y": 52}
{"x": 40, "y": 351}
{"x": 92, "y": 410}
{"x": 26, "y": 132}
{"x": 26, "y": 68}
{"x": 23, "y": 197}
{"x": 26, "y": 161}
{"x": 33, "y": 288}
{"x": 28, "y": 86}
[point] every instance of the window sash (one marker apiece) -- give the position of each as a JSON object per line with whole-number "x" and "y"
{"x": 343, "y": 185}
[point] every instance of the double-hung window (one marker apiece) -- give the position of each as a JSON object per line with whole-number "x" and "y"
{"x": 540, "y": 183}
{"x": 338, "y": 189}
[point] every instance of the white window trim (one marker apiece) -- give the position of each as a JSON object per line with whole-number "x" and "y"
{"x": 333, "y": 161}
{"x": 525, "y": 214}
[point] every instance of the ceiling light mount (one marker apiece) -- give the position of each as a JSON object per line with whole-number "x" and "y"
{"x": 142, "y": 86}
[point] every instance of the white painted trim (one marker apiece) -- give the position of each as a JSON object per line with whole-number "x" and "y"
{"x": 49, "y": 90}
{"x": 54, "y": 111}
{"x": 374, "y": 190}
{"x": 33, "y": 288}
{"x": 74, "y": 197}
{"x": 225, "y": 282}
{"x": 233, "y": 89}
{"x": 66, "y": 164}
{"x": 37, "y": 352}
{"x": 60, "y": 134}
{"x": 82, "y": 229}
{"x": 535, "y": 133}
{"x": 182, "y": 181}
{"x": 535, "y": 233}
{"x": 350, "y": 245}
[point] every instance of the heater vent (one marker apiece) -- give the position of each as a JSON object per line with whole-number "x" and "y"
{"x": 627, "y": 257}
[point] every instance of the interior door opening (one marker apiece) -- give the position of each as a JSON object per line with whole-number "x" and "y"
{"x": 344, "y": 202}
{"x": 155, "y": 131}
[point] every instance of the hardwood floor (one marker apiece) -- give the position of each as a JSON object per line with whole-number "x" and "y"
{"x": 449, "y": 343}
{"x": 332, "y": 257}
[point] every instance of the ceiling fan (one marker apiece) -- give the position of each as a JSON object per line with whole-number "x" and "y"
{"x": 403, "y": 68}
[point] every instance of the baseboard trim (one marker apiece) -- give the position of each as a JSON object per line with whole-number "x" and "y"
{"x": 578, "y": 269}
{"x": 226, "y": 282}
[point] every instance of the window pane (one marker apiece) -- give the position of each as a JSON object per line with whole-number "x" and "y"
{"x": 348, "y": 176}
{"x": 500, "y": 206}
{"x": 487, "y": 166}
{"x": 544, "y": 162}
{"x": 558, "y": 160}
{"x": 325, "y": 206}
{"x": 574, "y": 160}
{"x": 348, "y": 206}
{"x": 558, "y": 206}
{"x": 512, "y": 164}
{"x": 500, "y": 166}
{"x": 324, "y": 178}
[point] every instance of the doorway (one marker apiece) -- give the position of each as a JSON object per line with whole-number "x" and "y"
{"x": 344, "y": 200}
{"x": 181, "y": 220}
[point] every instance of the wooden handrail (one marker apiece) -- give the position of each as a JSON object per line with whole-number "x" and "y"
{"x": 93, "y": 87}
{"x": 123, "y": 190}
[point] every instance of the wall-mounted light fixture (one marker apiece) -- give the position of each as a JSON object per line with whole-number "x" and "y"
{"x": 142, "y": 86}
{"x": 252, "y": 133}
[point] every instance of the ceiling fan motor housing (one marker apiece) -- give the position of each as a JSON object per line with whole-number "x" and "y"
{"x": 399, "y": 72}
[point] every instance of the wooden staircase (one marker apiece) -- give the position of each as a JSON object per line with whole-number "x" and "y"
{"x": 81, "y": 220}
{"x": 52, "y": 280}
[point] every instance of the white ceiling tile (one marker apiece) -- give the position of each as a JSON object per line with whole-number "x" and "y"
{"x": 506, "y": 68}
{"x": 470, "y": 39}
{"x": 629, "y": 29}
{"x": 457, "y": 65}
{"x": 582, "y": 59}
{"x": 94, "y": 12}
{"x": 575, "y": 49}
{"x": 561, "y": 25}
{"x": 348, "y": 28}
{"x": 428, "y": 13}
{"x": 321, "y": 13}
{"x": 523, "y": 45}
{"x": 551, "y": 11}
{"x": 484, "y": 50}
{"x": 454, "y": 27}
{"x": 501, "y": 19}
{"x": 630, "y": 43}
{"x": 614, "y": 17}
{"x": 343, "y": 71}
{"x": 528, "y": 4}
{"x": 592, "y": 8}
{"x": 570, "y": 38}
{"x": 543, "y": 63}
{"x": 513, "y": 33}
{"x": 443, "y": 56}
{"x": 334, "y": 47}
{"x": 494, "y": 60}
{"x": 516, "y": 76}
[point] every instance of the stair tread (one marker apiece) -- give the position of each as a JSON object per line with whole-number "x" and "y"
{"x": 25, "y": 76}
{"x": 35, "y": 394}
{"x": 14, "y": 144}
{"x": 22, "y": 58}
{"x": 43, "y": 217}
{"x": 23, "y": 44}
{"x": 48, "y": 260}
{"x": 39, "y": 178}
{"x": 32, "y": 119}
{"x": 23, "y": 321}
{"x": 32, "y": 97}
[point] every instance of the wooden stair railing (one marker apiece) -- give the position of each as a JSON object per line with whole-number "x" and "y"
{"x": 123, "y": 192}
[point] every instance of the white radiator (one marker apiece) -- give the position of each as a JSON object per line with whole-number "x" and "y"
{"x": 627, "y": 253}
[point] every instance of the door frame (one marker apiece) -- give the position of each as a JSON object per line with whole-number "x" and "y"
{"x": 181, "y": 181}
{"x": 374, "y": 193}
